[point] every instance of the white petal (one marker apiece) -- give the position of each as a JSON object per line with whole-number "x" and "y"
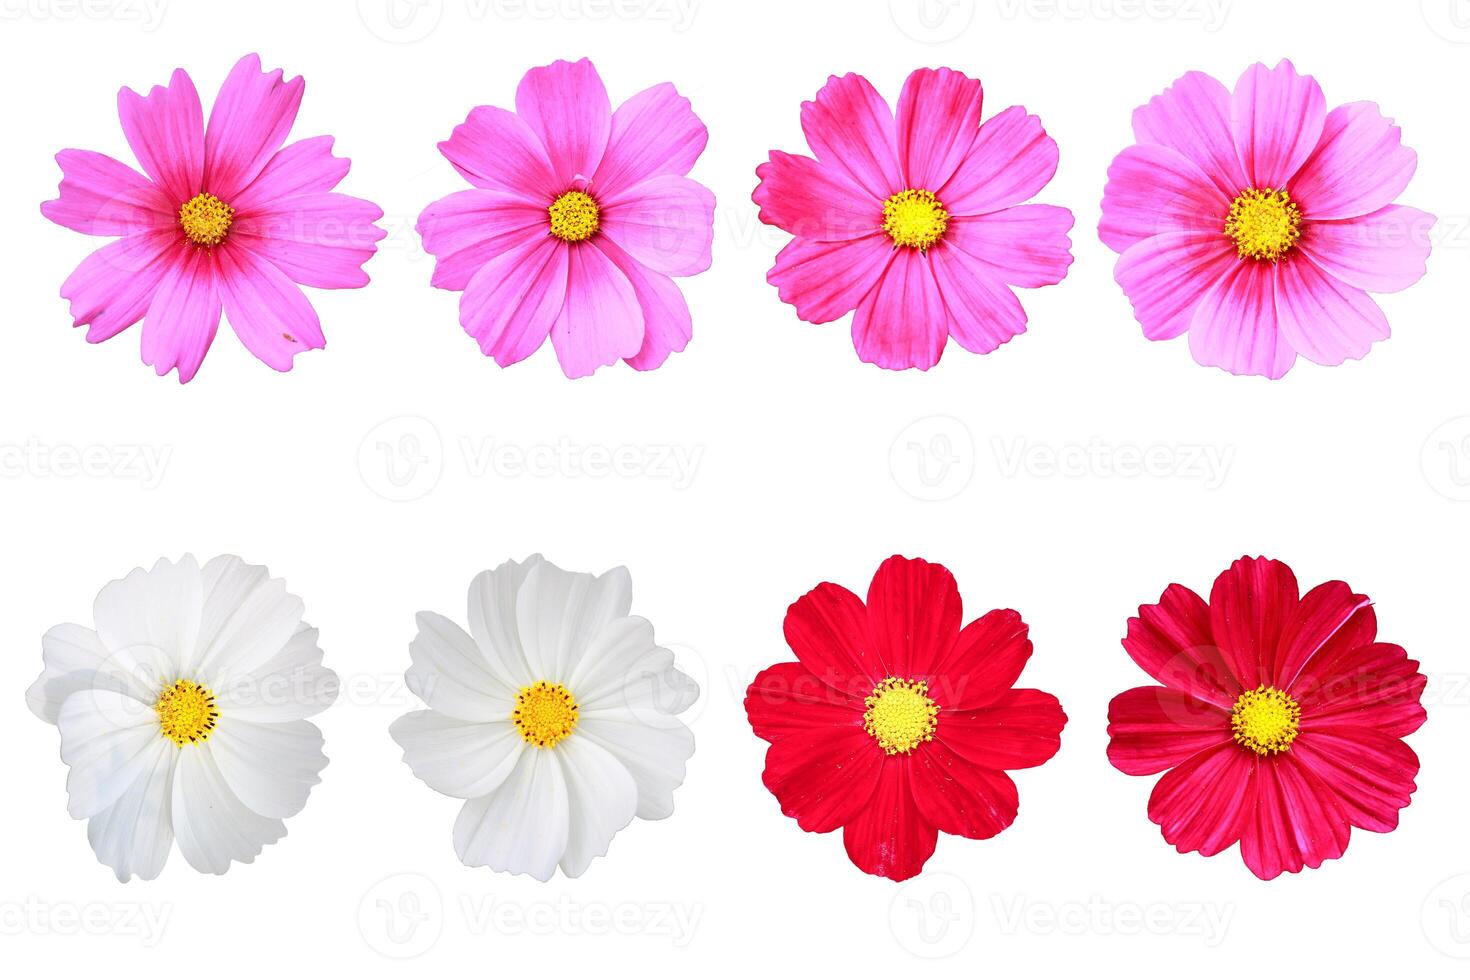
{"x": 558, "y": 613}
{"x": 290, "y": 686}
{"x": 106, "y": 739}
{"x": 212, "y": 826}
{"x": 271, "y": 768}
{"x": 149, "y": 621}
{"x": 653, "y": 746}
{"x": 135, "y": 834}
{"x": 624, "y": 668}
{"x": 463, "y": 759}
{"x": 522, "y": 827}
{"x": 247, "y": 620}
{"x": 493, "y": 620}
{"x": 450, "y": 674}
{"x": 76, "y": 660}
{"x": 601, "y": 797}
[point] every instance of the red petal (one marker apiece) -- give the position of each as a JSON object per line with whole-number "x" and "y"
{"x": 1375, "y": 686}
{"x": 827, "y": 629}
{"x": 1371, "y": 774}
{"x": 914, "y": 613}
{"x": 823, "y": 776}
{"x": 1155, "y": 728}
{"x": 1203, "y": 804}
{"x": 984, "y": 662}
{"x": 1323, "y": 613}
{"x": 961, "y": 798}
{"x": 1250, "y": 605}
{"x": 1172, "y": 642}
{"x": 1020, "y": 730}
{"x": 787, "y": 698}
{"x": 1295, "y": 821}
{"x": 889, "y": 837}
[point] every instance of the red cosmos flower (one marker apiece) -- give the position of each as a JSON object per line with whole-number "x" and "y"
{"x": 897, "y": 724}
{"x": 1280, "y": 720}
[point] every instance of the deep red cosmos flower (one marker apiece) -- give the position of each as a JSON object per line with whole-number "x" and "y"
{"x": 896, "y": 723}
{"x": 1280, "y": 719}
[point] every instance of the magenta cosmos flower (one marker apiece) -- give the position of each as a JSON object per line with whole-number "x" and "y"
{"x": 916, "y": 223}
{"x": 226, "y": 220}
{"x": 1258, "y": 222}
{"x": 1278, "y": 723}
{"x": 578, "y": 218}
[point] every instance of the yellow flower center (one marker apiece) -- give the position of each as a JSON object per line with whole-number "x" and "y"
{"x": 914, "y": 218}
{"x": 1266, "y": 720}
{"x": 206, "y": 220}
{"x": 545, "y": 713}
{"x": 1264, "y": 224}
{"x": 186, "y": 713}
{"x": 574, "y": 216}
{"x": 900, "y": 715}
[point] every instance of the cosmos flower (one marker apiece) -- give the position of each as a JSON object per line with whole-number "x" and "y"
{"x": 226, "y": 220}
{"x": 1258, "y": 222}
{"x": 895, "y": 723}
{"x": 1278, "y": 723}
{"x": 917, "y": 223}
{"x": 182, "y": 715}
{"x": 578, "y": 218}
{"x": 554, "y": 718}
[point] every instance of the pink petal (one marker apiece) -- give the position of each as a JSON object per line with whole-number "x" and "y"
{"x": 511, "y": 303}
{"x": 166, "y": 132}
{"x": 469, "y": 228}
{"x": 655, "y": 132}
{"x": 1375, "y": 687}
{"x": 1382, "y": 252}
{"x": 1203, "y": 804}
{"x": 1192, "y": 118}
{"x": 1294, "y": 821}
{"x": 566, "y": 106}
{"x": 1252, "y": 604}
{"x": 1166, "y": 277}
{"x": 1020, "y": 730}
{"x": 1151, "y": 729}
{"x": 1358, "y": 167}
{"x": 827, "y": 280}
{"x": 1153, "y": 190}
{"x": 1235, "y": 325}
{"x": 914, "y": 615}
{"x": 318, "y": 240}
{"x": 903, "y": 322}
{"x": 1023, "y": 246}
{"x": 801, "y": 196}
{"x": 268, "y": 312}
{"x": 601, "y": 322}
{"x": 959, "y": 798}
{"x": 1321, "y": 671}
{"x": 496, "y": 150}
{"x": 850, "y": 127}
{"x": 1372, "y": 774}
{"x": 100, "y": 196}
{"x": 984, "y": 313}
{"x": 938, "y": 116}
{"x": 1326, "y": 615}
{"x": 182, "y": 318}
{"x": 304, "y": 167}
{"x": 667, "y": 223}
{"x": 1323, "y": 318}
{"x": 113, "y": 286}
{"x": 251, "y": 118}
{"x": 1172, "y": 641}
{"x": 1010, "y": 160}
{"x": 1277, "y": 117}
{"x": 667, "y": 325}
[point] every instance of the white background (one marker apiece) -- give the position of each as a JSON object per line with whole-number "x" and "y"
{"x": 808, "y": 466}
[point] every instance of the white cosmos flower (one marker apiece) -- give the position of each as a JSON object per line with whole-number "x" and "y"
{"x": 553, "y": 718}
{"x": 182, "y": 714}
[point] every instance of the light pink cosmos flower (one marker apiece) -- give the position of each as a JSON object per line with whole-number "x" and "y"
{"x": 225, "y": 221}
{"x": 1258, "y": 222}
{"x": 578, "y": 218}
{"x": 916, "y": 223}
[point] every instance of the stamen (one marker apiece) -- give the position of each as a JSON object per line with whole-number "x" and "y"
{"x": 900, "y": 715}
{"x": 914, "y": 218}
{"x": 1265, "y": 224}
{"x": 206, "y": 220}
{"x": 574, "y": 216}
{"x": 1266, "y": 720}
{"x": 545, "y": 713}
{"x": 186, "y": 713}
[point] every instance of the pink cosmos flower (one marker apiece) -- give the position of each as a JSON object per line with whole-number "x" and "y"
{"x": 578, "y": 218}
{"x": 917, "y": 224}
{"x": 1258, "y": 222}
{"x": 225, "y": 221}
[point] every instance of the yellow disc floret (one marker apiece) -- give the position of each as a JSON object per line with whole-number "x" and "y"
{"x": 574, "y": 216}
{"x": 1266, "y": 720}
{"x": 545, "y": 713}
{"x": 206, "y": 220}
{"x": 186, "y": 712}
{"x": 900, "y": 715}
{"x": 1264, "y": 224}
{"x": 914, "y": 218}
